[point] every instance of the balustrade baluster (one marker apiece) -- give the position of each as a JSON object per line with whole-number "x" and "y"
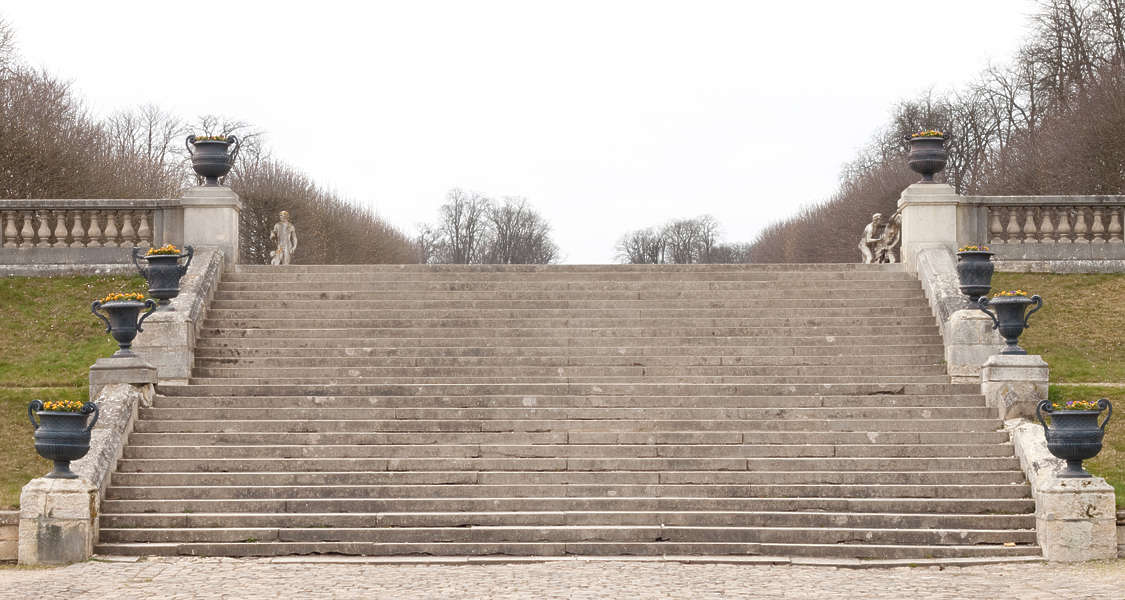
{"x": 1046, "y": 229}
{"x": 94, "y": 234}
{"x": 1080, "y": 229}
{"x": 143, "y": 231}
{"x": 128, "y": 236}
{"x": 1097, "y": 229}
{"x": 26, "y": 232}
{"x": 1115, "y": 224}
{"x": 1013, "y": 225}
{"x": 60, "y": 228}
{"x": 77, "y": 233}
{"x": 110, "y": 229}
{"x": 44, "y": 231}
{"x": 995, "y": 229}
{"x": 1029, "y": 230}
{"x": 10, "y": 232}
{"x": 1064, "y": 224}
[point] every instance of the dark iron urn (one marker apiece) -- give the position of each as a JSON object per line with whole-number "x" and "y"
{"x": 1009, "y": 317}
{"x": 123, "y": 323}
{"x": 163, "y": 274}
{"x": 1074, "y": 435}
{"x": 927, "y": 156}
{"x": 210, "y": 158}
{"x": 974, "y": 272}
{"x": 62, "y": 436}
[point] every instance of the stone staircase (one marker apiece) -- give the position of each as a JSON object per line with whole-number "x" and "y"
{"x": 776, "y": 410}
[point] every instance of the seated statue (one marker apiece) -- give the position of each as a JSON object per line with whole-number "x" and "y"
{"x": 286, "y": 236}
{"x": 880, "y": 240}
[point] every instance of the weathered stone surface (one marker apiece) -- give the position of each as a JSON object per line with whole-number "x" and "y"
{"x": 9, "y": 534}
{"x": 211, "y": 220}
{"x": 1062, "y": 266}
{"x": 168, "y": 341}
{"x": 1014, "y": 384}
{"x": 1074, "y": 518}
{"x": 1121, "y": 534}
{"x": 117, "y": 405}
{"x": 58, "y": 521}
{"x": 929, "y": 219}
{"x": 124, "y": 369}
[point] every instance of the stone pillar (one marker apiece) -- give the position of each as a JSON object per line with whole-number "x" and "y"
{"x": 129, "y": 369}
{"x": 1075, "y": 520}
{"x": 58, "y": 521}
{"x": 211, "y": 219}
{"x": 929, "y": 220}
{"x": 970, "y": 341}
{"x": 1014, "y": 384}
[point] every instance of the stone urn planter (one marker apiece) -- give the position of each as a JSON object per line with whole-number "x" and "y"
{"x": 1009, "y": 316}
{"x": 927, "y": 154}
{"x": 123, "y": 324}
{"x": 163, "y": 272}
{"x": 974, "y": 271}
{"x": 211, "y": 156}
{"x": 1074, "y": 434}
{"x": 63, "y": 432}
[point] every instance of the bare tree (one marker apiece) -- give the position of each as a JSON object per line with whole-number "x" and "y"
{"x": 519, "y": 234}
{"x": 643, "y": 246}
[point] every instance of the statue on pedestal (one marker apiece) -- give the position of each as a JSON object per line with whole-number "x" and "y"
{"x": 880, "y": 239}
{"x": 286, "y": 236}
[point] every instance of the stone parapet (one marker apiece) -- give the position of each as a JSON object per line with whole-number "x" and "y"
{"x": 1014, "y": 384}
{"x": 1074, "y": 518}
{"x": 211, "y": 216}
{"x": 168, "y": 340}
{"x": 117, "y": 406}
{"x": 58, "y": 521}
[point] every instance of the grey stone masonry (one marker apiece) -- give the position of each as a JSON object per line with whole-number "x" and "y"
{"x": 1014, "y": 384}
{"x": 9, "y": 534}
{"x": 58, "y": 521}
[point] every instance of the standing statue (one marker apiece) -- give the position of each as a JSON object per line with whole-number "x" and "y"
{"x": 286, "y": 236}
{"x": 880, "y": 240}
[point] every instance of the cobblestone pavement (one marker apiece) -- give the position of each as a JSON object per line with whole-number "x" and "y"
{"x": 173, "y": 578}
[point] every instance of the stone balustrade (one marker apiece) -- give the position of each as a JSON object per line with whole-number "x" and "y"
{"x": 1054, "y": 219}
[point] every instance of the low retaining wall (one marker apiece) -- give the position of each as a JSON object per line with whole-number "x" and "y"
{"x": 9, "y": 534}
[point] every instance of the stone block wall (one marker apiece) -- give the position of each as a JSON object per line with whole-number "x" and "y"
{"x": 9, "y": 534}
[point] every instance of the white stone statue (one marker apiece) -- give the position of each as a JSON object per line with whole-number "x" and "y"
{"x": 880, "y": 240}
{"x": 286, "y": 236}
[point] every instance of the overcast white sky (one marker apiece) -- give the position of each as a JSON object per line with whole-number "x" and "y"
{"x": 607, "y": 115}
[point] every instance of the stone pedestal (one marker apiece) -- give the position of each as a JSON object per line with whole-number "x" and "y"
{"x": 58, "y": 521}
{"x": 970, "y": 341}
{"x": 929, "y": 219}
{"x": 211, "y": 219}
{"x": 1075, "y": 520}
{"x": 1014, "y": 384}
{"x": 110, "y": 371}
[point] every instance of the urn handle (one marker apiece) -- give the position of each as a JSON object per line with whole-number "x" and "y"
{"x": 89, "y": 408}
{"x": 232, "y": 139}
{"x": 1038, "y": 304}
{"x": 35, "y": 405}
{"x": 94, "y": 309}
{"x": 189, "y": 252}
{"x": 1105, "y": 405}
{"x": 140, "y": 269}
{"x": 151, "y": 304}
{"x": 982, "y": 304}
{"x": 1039, "y": 413}
{"x": 190, "y": 144}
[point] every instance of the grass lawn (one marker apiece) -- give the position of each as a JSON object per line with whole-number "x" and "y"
{"x": 47, "y": 343}
{"x": 1079, "y": 333}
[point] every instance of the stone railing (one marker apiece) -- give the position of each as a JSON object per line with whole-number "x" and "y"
{"x": 41, "y": 224}
{"x": 1046, "y": 228}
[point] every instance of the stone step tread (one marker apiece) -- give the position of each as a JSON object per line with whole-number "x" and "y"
{"x": 792, "y": 344}
{"x": 340, "y": 327}
{"x": 279, "y": 309}
{"x": 576, "y": 402}
{"x": 568, "y": 268}
{"x": 335, "y": 413}
{"x": 320, "y": 320}
{"x": 410, "y": 286}
{"x": 508, "y": 549}
{"x": 870, "y": 388}
{"x": 642, "y": 372}
{"x": 854, "y": 306}
{"x": 523, "y": 362}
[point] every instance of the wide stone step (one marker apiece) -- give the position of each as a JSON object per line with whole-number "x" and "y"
{"x": 115, "y": 503}
{"x": 591, "y": 268}
{"x": 672, "y": 549}
{"x": 674, "y": 323}
{"x": 524, "y": 401}
{"x": 535, "y": 425}
{"x": 697, "y": 380}
{"x": 573, "y": 533}
{"x": 598, "y": 451}
{"x": 757, "y": 295}
{"x": 355, "y": 284}
{"x": 570, "y": 477}
{"x": 559, "y": 276}
{"x": 780, "y": 373}
{"x": 576, "y": 518}
{"x": 569, "y": 333}
{"x": 796, "y": 344}
{"x": 342, "y": 362}
{"x": 524, "y": 413}
{"x": 333, "y": 312}
{"x": 576, "y": 490}
{"x": 855, "y": 305}
{"x": 582, "y": 389}
{"x": 783, "y": 463}
{"x": 229, "y": 349}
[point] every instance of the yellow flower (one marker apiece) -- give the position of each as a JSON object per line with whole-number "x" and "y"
{"x": 122, "y": 297}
